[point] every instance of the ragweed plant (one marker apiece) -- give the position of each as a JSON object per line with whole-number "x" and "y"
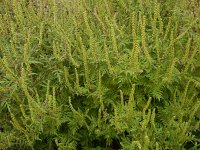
{"x": 86, "y": 74}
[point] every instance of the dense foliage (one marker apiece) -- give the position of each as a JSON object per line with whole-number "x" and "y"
{"x": 99, "y": 74}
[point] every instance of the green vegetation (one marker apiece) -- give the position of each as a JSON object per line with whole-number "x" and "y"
{"x": 99, "y": 74}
